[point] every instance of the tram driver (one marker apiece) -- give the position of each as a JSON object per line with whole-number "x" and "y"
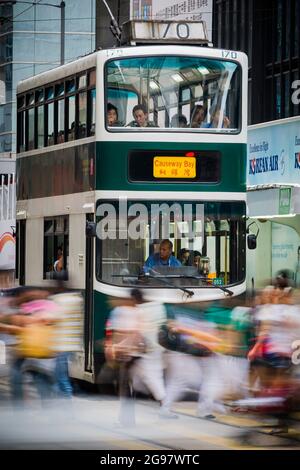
{"x": 163, "y": 258}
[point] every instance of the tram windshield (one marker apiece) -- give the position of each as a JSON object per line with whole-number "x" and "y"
{"x": 161, "y": 243}
{"x": 173, "y": 92}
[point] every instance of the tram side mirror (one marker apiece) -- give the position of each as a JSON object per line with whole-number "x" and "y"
{"x": 252, "y": 241}
{"x": 90, "y": 229}
{"x": 252, "y": 238}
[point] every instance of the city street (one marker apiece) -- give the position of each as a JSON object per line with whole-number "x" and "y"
{"x": 149, "y": 227}
{"x": 92, "y": 423}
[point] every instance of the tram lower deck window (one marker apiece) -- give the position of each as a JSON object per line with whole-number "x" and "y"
{"x": 212, "y": 232}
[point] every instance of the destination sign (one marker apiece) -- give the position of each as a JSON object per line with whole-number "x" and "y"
{"x": 174, "y": 167}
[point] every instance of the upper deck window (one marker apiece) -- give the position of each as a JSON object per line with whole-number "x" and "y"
{"x": 30, "y": 99}
{"x": 49, "y": 93}
{"x": 39, "y": 96}
{"x": 59, "y": 89}
{"x": 57, "y": 112}
{"x": 82, "y": 81}
{"x": 174, "y": 92}
{"x": 71, "y": 87}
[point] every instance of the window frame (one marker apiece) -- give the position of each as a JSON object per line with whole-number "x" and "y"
{"x": 65, "y": 233}
{"x": 23, "y": 108}
{"x": 236, "y": 239}
{"x": 205, "y": 131}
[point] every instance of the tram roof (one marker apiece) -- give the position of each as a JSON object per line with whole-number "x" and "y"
{"x": 90, "y": 60}
{"x": 58, "y": 73}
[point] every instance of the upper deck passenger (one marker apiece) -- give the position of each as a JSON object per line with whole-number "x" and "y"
{"x": 197, "y": 116}
{"x": 112, "y": 115}
{"x": 179, "y": 120}
{"x": 215, "y": 123}
{"x": 140, "y": 114}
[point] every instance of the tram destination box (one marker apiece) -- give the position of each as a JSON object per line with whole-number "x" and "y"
{"x": 136, "y": 32}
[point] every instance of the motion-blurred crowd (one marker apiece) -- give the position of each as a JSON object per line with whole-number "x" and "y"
{"x": 39, "y": 331}
{"x": 226, "y": 351}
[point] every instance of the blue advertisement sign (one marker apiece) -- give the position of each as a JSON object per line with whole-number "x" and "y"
{"x": 274, "y": 154}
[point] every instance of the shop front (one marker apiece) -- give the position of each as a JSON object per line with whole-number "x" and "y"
{"x": 273, "y": 198}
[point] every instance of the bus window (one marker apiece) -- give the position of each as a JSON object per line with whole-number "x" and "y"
{"x": 166, "y": 86}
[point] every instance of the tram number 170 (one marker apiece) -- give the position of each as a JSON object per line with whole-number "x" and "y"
{"x": 229, "y": 54}
{"x": 171, "y": 30}
{"x": 182, "y": 30}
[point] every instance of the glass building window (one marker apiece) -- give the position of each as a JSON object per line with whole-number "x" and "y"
{"x": 287, "y": 94}
{"x": 6, "y": 143}
{"x": 278, "y": 96}
{"x": 296, "y": 48}
{"x": 279, "y": 31}
{"x": 295, "y": 93}
{"x": 287, "y": 27}
{"x": 21, "y": 131}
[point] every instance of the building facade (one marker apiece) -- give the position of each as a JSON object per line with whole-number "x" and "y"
{"x": 34, "y": 37}
{"x": 269, "y": 32}
{"x": 30, "y": 43}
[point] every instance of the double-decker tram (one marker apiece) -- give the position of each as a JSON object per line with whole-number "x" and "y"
{"x": 134, "y": 145}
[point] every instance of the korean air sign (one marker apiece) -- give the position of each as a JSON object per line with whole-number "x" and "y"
{"x": 274, "y": 153}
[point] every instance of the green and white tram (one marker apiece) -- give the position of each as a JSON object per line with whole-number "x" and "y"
{"x": 138, "y": 185}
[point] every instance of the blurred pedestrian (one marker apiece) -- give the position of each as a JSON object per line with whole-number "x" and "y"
{"x": 69, "y": 334}
{"x": 148, "y": 372}
{"x": 34, "y": 326}
{"x": 125, "y": 347}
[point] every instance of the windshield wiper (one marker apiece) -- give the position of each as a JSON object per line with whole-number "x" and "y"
{"x": 190, "y": 293}
{"x": 162, "y": 279}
